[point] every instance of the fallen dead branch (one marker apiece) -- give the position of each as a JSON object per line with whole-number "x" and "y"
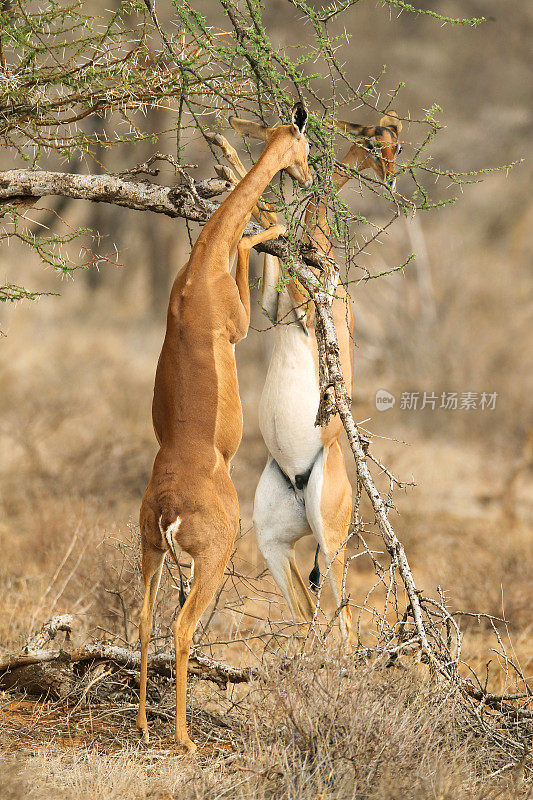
{"x": 160, "y": 664}
{"x": 53, "y": 672}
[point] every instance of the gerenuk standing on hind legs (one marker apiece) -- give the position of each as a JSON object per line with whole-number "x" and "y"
{"x": 190, "y": 503}
{"x": 304, "y": 488}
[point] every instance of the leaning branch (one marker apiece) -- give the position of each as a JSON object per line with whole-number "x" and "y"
{"x": 334, "y": 399}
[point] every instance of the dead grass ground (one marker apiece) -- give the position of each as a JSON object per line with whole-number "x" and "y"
{"x": 316, "y": 733}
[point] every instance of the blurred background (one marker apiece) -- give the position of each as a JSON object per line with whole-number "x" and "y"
{"x": 76, "y": 371}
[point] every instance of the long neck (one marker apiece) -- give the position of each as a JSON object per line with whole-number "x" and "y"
{"x": 231, "y": 217}
{"x": 316, "y": 218}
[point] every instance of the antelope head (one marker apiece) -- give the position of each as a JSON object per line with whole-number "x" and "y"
{"x": 380, "y": 143}
{"x": 289, "y": 139}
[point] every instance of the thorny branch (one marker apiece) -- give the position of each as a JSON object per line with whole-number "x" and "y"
{"x": 61, "y": 67}
{"x": 189, "y": 200}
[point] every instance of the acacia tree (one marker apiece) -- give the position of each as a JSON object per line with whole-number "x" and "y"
{"x": 64, "y": 66}
{"x": 61, "y": 65}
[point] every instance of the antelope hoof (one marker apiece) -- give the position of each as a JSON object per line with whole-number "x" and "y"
{"x": 145, "y": 736}
{"x": 186, "y": 744}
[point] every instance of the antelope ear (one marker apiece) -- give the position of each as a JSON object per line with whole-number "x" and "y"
{"x": 299, "y": 119}
{"x": 247, "y": 128}
{"x": 351, "y": 127}
{"x": 391, "y": 120}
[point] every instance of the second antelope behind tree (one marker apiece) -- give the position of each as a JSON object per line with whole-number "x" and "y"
{"x": 304, "y": 488}
{"x": 190, "y": 503}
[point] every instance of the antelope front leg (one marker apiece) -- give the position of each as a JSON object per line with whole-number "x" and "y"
{"x": 243, "y": 261}
{"x": 270, "y": 297}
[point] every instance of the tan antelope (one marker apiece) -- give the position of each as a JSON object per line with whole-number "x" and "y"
{"x": 190, "y": 503}
{"x": 304, "y": 487}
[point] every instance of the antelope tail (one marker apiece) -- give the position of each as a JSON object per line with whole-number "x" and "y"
{"x": 314, "y": 575}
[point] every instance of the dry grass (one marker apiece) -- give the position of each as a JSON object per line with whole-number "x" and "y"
{"x": 312, "y": 731}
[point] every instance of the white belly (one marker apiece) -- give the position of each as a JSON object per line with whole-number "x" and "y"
{"x": 289, "y": 402}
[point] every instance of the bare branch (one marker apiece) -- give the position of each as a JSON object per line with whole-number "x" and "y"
{"x": 13, "y": 672}
{"x": 189, "y": 201}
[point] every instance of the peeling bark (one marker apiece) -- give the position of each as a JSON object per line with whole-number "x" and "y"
{"x": 140, "y": 195}
{"x": 335, "y": 399}
{"x": 51, "y": 673}
{"x": 189, "y": 200}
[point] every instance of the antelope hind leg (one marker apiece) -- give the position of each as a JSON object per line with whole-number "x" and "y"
{"x": 328, "y": 503}
{"x": 208, "y": 572}
{"x": 279, "y": 521}
{"x": 152, "y": 564}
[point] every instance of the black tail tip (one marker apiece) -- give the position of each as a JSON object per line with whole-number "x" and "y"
{"x": 314, "y": 579}
{"x": 314, "y": 575}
